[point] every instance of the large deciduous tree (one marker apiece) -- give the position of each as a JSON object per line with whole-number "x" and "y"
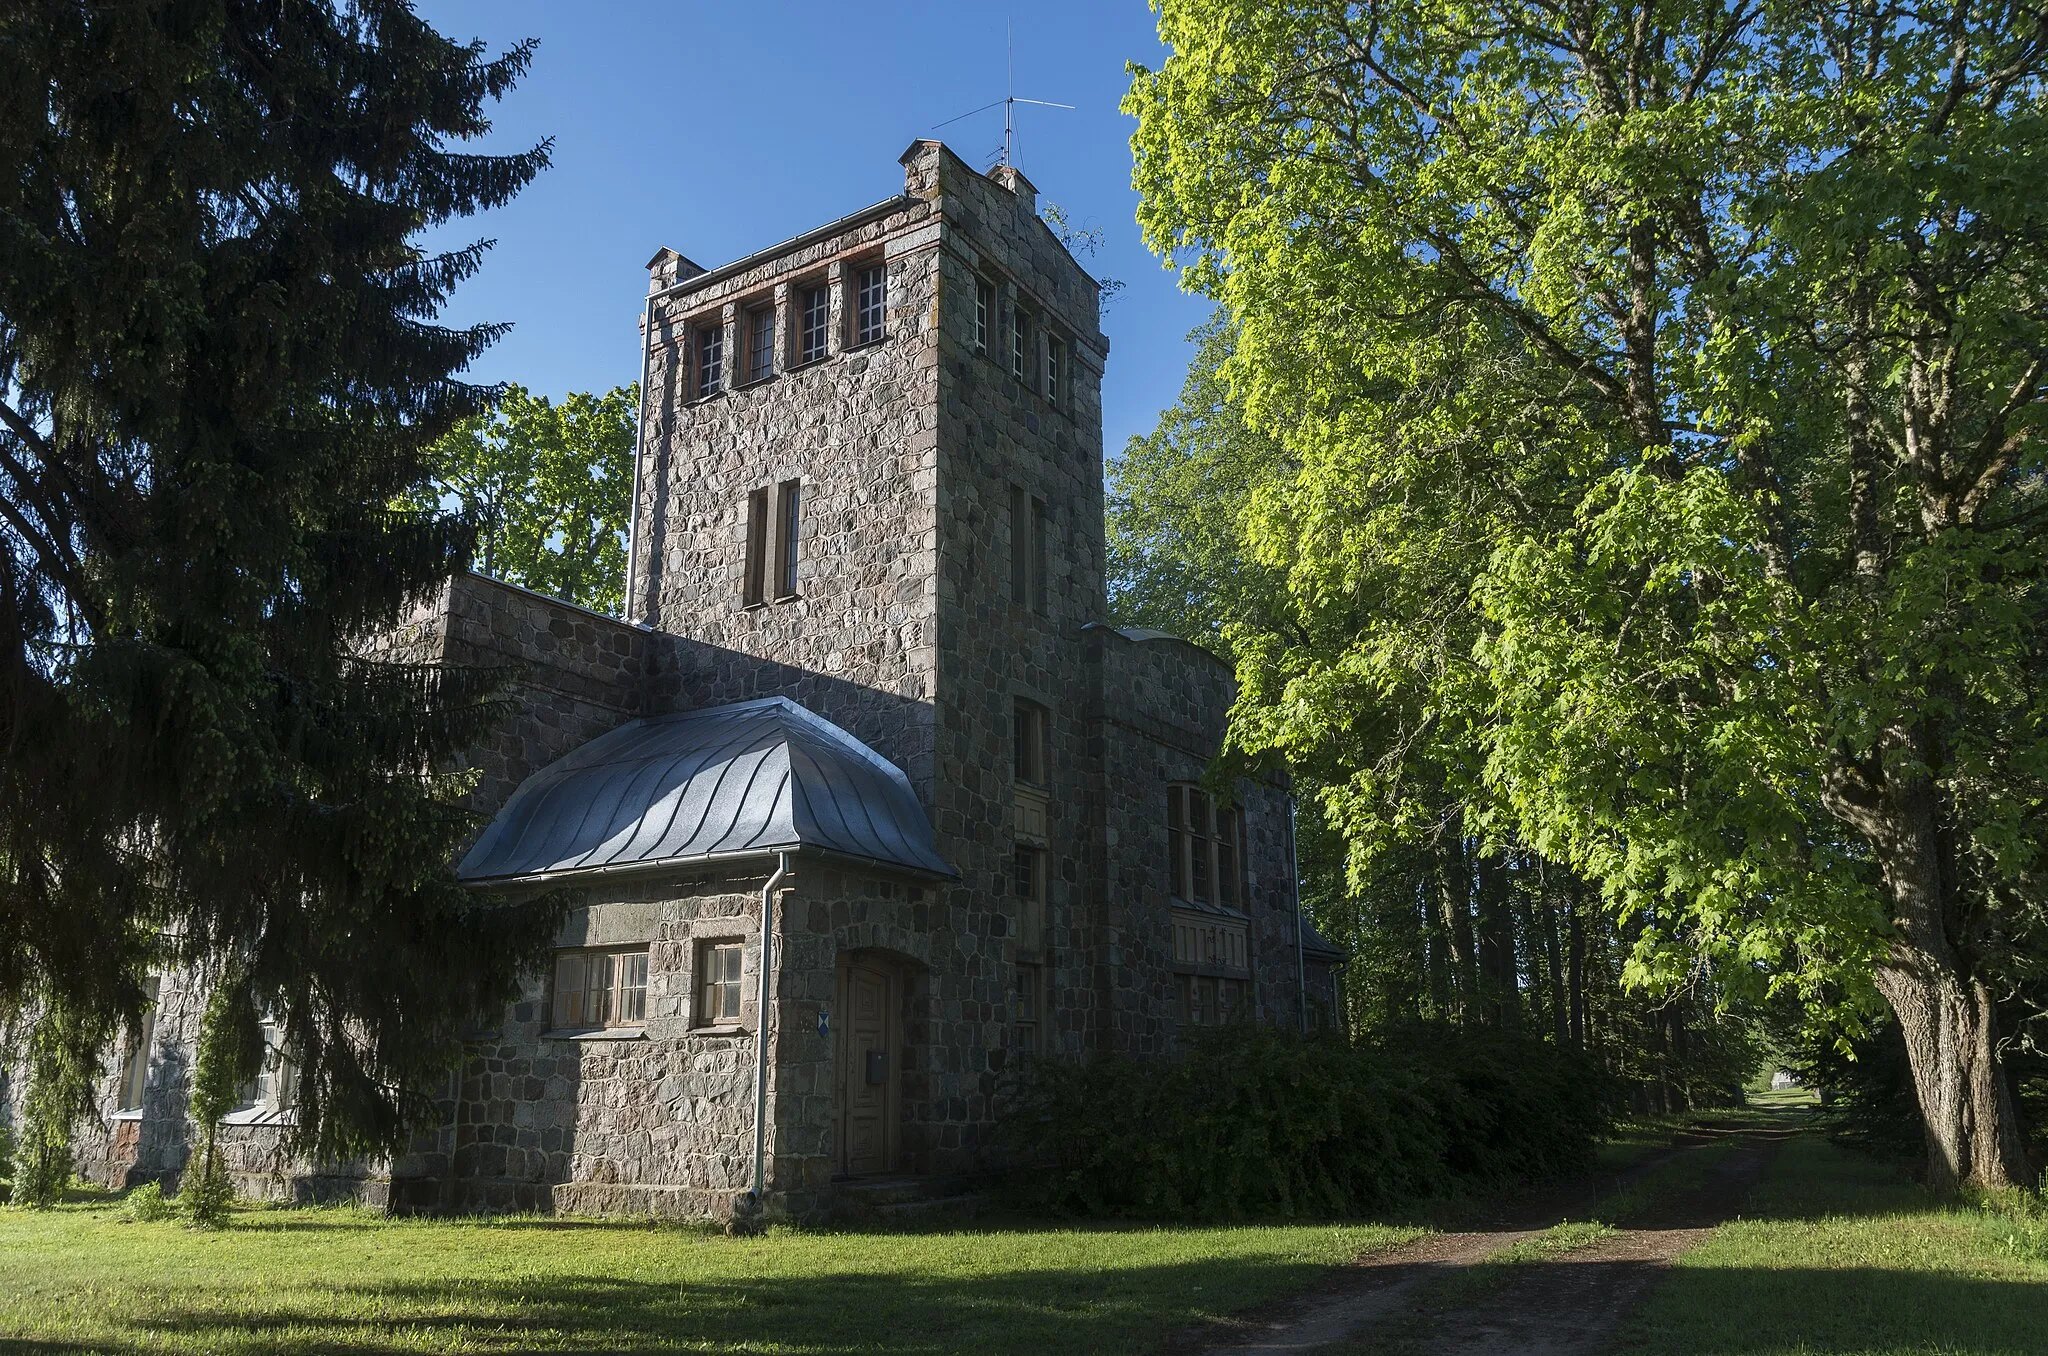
{"x": 549, "y": 487}
{"x": 219, "y": 369}
{"x": 1666, "y": 381}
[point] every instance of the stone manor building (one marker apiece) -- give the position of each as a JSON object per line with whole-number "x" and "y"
{"x": 864, "y": 677}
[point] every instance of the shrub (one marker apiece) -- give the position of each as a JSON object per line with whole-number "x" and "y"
{"x": 1249, "y": 1121}
{"x": 146, "y": 1204}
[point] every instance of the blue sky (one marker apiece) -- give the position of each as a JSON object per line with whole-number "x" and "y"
{"x": 720, "y": 129}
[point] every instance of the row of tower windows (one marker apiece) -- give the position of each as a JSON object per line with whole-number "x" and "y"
{"x": 1049, "y": 376}
{"x": 709, "y": 365}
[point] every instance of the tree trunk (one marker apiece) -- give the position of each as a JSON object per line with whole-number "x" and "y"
{"x": 1575, "y": 966}
{"x": 1966, "y": 1108}
{"x": 1497, "y": 970}
{"x": 1454, "y": 886}
{"x": 1944, "y": 1008}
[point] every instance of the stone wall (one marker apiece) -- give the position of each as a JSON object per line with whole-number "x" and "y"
{"x": 1161, "y": 708}
{"x": 855, "y": 644}
{"x": 662, "y": 1123}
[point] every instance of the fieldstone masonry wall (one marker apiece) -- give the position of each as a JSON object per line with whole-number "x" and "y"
{"x": 903, "y": 630}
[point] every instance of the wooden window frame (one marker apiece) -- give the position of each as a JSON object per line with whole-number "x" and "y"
{"x": 1029, "y": 1007}
{"x": 579, "y": 1001}
{"x": 1205, "y": 848}
{"x": 760, "y": 346}
{"x": 788, "y": 532}
{"x": 1211, "y": 1000}
{"x": 1030, "y": 751}
{"x": 1029, "y": 884}
{"x": 133, "y": 1090}
{"x": 1055, "y": 360}
{"x": 754, "y": 568}
{"x": 720, "y": 974}
{"x": 1041, "y": 556}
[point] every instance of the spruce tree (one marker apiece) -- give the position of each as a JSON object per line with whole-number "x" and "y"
{"x": 219, "y": 373}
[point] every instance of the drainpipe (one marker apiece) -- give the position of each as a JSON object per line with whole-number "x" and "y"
{"x": 1294, "y": 875}
{"x": 759, "y": 1195}
{"x": 639, "y": 441}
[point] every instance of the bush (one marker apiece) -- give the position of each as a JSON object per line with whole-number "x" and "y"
{"x": 1250, "y": 1121}
{"x": 205, "y": 1195}
{"x": 146, "y": 1204}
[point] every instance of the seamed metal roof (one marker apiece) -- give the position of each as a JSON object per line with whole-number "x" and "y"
{"x": 729, "y": 781}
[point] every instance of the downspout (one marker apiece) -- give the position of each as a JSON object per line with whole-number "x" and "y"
{"x": 1294, "y": 875}
{"x": 758, "y": 1195}
{"x": 639, "y": 442}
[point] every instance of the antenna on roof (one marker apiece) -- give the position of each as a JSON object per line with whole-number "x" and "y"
{"x": 1009, "y": 103}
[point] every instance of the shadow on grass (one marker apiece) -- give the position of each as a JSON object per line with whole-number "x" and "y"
{"x": 1746, "y": 1311}
{"x": 1067, "y": 1310}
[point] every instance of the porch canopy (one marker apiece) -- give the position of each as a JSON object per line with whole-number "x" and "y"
{"x": 743, "y": 780}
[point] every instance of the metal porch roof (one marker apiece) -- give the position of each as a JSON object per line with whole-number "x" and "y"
{"x": 755, "y": 777}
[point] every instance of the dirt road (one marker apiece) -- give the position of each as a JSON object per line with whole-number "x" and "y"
{"x": 1441, "y": 1296}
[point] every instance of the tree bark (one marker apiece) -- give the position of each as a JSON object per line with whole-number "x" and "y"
{"x": 1944, "y": 1008}
{"x": 1966, "y": 1108}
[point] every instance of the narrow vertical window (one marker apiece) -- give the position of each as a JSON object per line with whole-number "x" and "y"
{"x": 1226, "y": 858}
{"x": 1020, "y": 547}
{"x": 710, "y": 359}
{"x": 1020, "y": 343}
{"x": 754, "y": 589}
{"x": 1028, "y": 733}
{"x": 1028, "y": 883}
{"x": 1055, "y": 357}
{"x": 788, "y": 514}
{"x": 1198, "y": 842}
{"x": 1041, "y": 533}
{"x": 1029, "y": 1000}
{"x": 1176, "y": 843}
{"x": 814, "y": 328}
{"x": 870, "y": 298}
{"x": 761, "y": 343}
{"x": 135, "y": 1069}
{"x": 984, "y": 311}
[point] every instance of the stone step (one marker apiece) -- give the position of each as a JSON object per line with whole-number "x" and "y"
{"x": 931, "y": 1208}
{"x": 877, "y": 1196}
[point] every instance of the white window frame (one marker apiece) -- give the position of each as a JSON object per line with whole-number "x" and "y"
{"x": 813, "y": 323}
{"x": 133, "y": 1090}
{"x": 870, "y": 304}
{"x": 708, "y": 341}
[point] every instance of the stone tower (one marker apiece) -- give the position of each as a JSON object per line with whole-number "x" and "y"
{"x": 915, "y": 387}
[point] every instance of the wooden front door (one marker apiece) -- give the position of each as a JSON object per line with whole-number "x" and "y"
{"x": 868, "y": 1076}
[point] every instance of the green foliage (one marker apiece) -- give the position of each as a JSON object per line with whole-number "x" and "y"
{"x": 1438, "y": 923}
{"x": 7, "y": 1147}
{"x": 1178, "y": 558}
{"x": 1664, "y": 387}
{"x": 230, "y": 1054}
{"x": 550, "y": 487}
{"x": 219, "y": 370}
{"x": 146, "y": 1204}
{"x": 1251, "y": 1122}
{"x": 63, "y": 1061}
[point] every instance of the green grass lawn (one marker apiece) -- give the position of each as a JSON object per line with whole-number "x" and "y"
{"x": 1843, "y": 1257}
{"x": 82, "y": 1279}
